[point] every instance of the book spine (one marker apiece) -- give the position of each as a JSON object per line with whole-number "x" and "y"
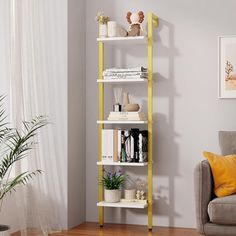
{"x": 119, "y": 145}
{"x": 115, "y": 145}
{"x": 132, "y": 145}
{"x": 104, "y": 155}
{"x": 123, "y": 153}
{"x": 127, "y": 146}
{"x": 136, "y": 144}
{"x": 140, "y": 142}
{"x": 110, "y": 145}
{"x": 143, "y": 146}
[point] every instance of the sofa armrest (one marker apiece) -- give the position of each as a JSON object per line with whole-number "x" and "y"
{"x": 204, "y": 193}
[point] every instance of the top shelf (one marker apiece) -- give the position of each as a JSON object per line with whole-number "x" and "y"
{"x": 124, "y": 40}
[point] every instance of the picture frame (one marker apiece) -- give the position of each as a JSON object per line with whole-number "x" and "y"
{"x": 227, "y": 66}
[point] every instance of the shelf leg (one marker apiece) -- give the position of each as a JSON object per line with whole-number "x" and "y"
{"x": 101, "y": 126}
{"x": 150, "y": 64}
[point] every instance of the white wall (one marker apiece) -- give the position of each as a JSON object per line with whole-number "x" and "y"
{"x": 76, "y": 112}
{"x": 186, "y": 109}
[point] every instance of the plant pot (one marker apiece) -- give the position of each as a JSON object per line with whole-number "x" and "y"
{"x": 130, "y": 194}
{"x": 4, "y": 230}
{"x": 102, "y": 30}
{"x": 112, "y": 195}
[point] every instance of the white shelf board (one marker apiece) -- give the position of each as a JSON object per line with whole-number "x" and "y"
{"x": 122, "y": 122}
{"x": 124, "y": 40}
{"x": 123, "y": 204}
{"x": 121, "y": 163}
{"x": 122, "y": 80}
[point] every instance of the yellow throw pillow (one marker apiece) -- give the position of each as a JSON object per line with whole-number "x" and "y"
{"x": 224, "y": 173}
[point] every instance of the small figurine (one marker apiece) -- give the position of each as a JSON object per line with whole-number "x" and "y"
{"x": 135, "y": 20}
{"x": 140, "y": 195}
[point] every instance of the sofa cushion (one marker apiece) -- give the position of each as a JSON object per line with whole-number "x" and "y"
{"x": 224, "y": 173}
{"x": 223, "y": 210}
{"x": 227, "y": 142}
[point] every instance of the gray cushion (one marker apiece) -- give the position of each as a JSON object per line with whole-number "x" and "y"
{"x": 227, "y": 141}
{"x": 223, "y": 210}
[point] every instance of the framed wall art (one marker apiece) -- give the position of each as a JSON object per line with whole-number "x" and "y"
{"x": 227, "y": 66}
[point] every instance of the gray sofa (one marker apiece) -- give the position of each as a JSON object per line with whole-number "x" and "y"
{"x": 215, "y": 216}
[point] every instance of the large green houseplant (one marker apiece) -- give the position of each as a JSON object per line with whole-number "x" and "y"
{"x": 15, "y": 146}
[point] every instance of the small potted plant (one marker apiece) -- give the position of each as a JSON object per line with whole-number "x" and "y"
{"x": 15, "y": 145}
{"x": 102, "y": 22}
{"x": 112, "y": 183}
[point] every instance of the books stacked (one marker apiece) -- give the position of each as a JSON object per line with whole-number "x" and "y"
{"x": 131, "y": 73}
{"x": 124, "y": 145}
{"x": 134, "y": 116}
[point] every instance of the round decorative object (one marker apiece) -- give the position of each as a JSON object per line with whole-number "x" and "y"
{"x": 130, "y": 194}
{"x": 113, "y": 195}
{"x": 131, "y": 107}
{"x": 102, "y": 30}
{"x": 4, "y": 230}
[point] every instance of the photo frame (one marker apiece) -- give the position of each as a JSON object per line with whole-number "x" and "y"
{"x": 227, "y": 66}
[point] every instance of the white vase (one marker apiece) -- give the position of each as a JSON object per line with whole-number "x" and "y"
{"x": 102, "y": 30}
{"x": 112, "y": 29}
{"x": 115, "y": 30}
{"x": 130, "y": 194}
{"x": 4, "y": 230}
{"x": 112, "y": 195}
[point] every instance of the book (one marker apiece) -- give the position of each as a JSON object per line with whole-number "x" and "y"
{"x": 115, "y": 146}
{"x": 143, "y": 146}
{"x": 119, "y": 145}
{"x": 126, "y": 119}
{"x": 107, "y": 145}
{"x": 125, "y": 112}
{"x": 134, "y": 69}
{"x": 123, "y": 150}
{"x": 126, "y": 116}
{"x": 134, "y": 200}
{"x": 121, "y": 74}
{"x": 135, "y": 136}
{"x": 125, "y": 77}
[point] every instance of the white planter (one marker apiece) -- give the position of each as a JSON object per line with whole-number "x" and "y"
{"x": 112, "y": 195}
{"x": 130, "y": 194}
{"x": 102, "y": 30}
{"x": 115, "y": 30}
{"x": 4, "y": 230}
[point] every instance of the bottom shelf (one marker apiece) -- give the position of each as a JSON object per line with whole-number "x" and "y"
{"x": 136, "y": 205}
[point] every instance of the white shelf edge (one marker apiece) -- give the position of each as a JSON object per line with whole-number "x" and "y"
{"x": 121, "y": 122}
{"x": 123, "y": 204}
{"x": 123, "y": 39}
{"x": 121, "y": 164}
{"x": 121, "y": 80}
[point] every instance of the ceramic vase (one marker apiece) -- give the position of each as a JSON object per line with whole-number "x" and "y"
{"x": 102, "y": 30}
{"x": 130, "y": 194}
{"x": 112, "y": 28}
{"x": 112, "y": 195}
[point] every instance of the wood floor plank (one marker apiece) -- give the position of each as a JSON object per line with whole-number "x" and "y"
{"x": 93, "y": 229}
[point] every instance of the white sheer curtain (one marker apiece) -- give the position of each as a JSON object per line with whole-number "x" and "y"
{"x": 38, "y": 87}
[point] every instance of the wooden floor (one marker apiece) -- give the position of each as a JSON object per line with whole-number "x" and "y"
{"x": 93, "y": 229}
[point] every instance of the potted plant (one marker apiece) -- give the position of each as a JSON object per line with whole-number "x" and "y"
{"x": 112, "y": 183}
{"x": 14, "y": 146}
{"x": 102, "y": 22}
